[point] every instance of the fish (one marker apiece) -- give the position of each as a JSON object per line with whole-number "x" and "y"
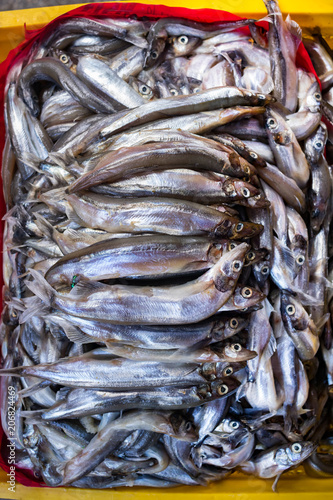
{"x": 273, "y": 462}
{"x": 98, "y": 75}
{"x": 287, "y": 152}
{"x": 84, "y": 402}
{"x": 100, "y": 260}
{"x": 219, "y": 97}
{"x": 149, "y": 337}
{"x": 211, "y": 290}
{"x": 156, "y": 215}
{"x": 284, "y": 37}
{"x": 300, "y": 326}
{"x": 52, "y": 69}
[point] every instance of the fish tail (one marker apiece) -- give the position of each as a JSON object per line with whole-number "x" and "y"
{"x": 290, "y": 417}
{"x": 35, "y": 308}
{"x": 41, "y": 287}
{"x": 44, "y": 225}
{"x": 18, "y": 371}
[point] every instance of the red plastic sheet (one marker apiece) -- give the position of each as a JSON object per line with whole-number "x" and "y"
{"x": 102, "y": 10}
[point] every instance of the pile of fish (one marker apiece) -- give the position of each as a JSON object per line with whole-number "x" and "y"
{"x": 167, "y": 306}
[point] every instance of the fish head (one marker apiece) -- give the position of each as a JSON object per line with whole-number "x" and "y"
{"x": 229, "y": 425}
{"x": 200, "y": 454}
{"x": 255, "y": 255}
{"x": 258, "y": 201}
{"x": 156, "y": 49}
{"x": 227, "y": 368}
{"x": 245, "y": 230}
{"x": 236, "y": 352}
{"x": 142, "y": 88}
{"x": 224, "y": 329}
{"x": 312, "y": 101}
{"x": 242, "y": 189}
{"x": 183, "y": 429}
{"x": 246, "y": 296}
{"x": 277, "y": 129}
{"x": 261, "y": 271}
{"x": 230, "y": 267}
{"x": 293, "y": 454}
{"x": 184, "y": 44}
{"x": 257, "y": 98}
{"x": 224, "y": 387}
{"x": 315, "y": 144}
{"x": 293, "y": 312}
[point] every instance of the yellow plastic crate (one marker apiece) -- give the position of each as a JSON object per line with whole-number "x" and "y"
{"x": 238, "y": 486}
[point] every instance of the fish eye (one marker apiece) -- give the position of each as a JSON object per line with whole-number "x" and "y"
{"x": 154, "y": 54}
{"x": 247, "y": 169}
{"x": 196, "y": 90}
{"x": 14, "y": 314}
{"x": 290, "y": 309}
{"x": 144, "y": 89}
{"x": 261, "y": 97}
{"x": 203, "y": 456}
{"x": 271, "y": 122}
{"x": 234, "y": 424}
{"x": 250, "y": 255}
{"x": 183, "y": 39}
{"x": 173, "y": 92}
{"x": 265, "y": 270}
{"x": 246, "y": 292}
{"x": 253, "y": 155}
{"x": 236, "y": 347}
{"x": 319, "y": 144}
{"x": 245, "y": 192}
{"x": 233, "y": 323}
{"x": 239, "y": 227}
{"x": 228, "y": 371}
{"x": 64, "y": 59}
{"x": 188, "y": 426}
{"x": 296, "y": 447}
{"x": 222, "y": 389}
{"x": 300, "y": 260}
{"x": 317, "y": 96}
{"x": 236, "y": 265}
{"x": 232, "y": 246}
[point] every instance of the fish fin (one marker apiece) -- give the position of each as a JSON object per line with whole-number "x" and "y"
{"x": 62, "y": 393}
{"x": 84, "y": 287}
{"x": 241, "y": 391}
{"x": 35, "y": 308}
{"x": 321, "y": 322}
{"x": 31, "y": 160}
{"x": 73, "y": 217}
{"x": 41, "y": 287}
{"x": 110, "y": 343}
{"x": 294, "y": 28}
{"x": 274, "y": 486}
{"x": 17, "y": 303}
{"x": 32, "y": 389}
{"x": 32, "y": 414}
{"x": 77, "y": 336}
{"x": 57, "y": 194}
{"x": 306, "y": 299}
{"x": 269, "y": 349}
{"x": 190, "y": 349}
{"x": 286, "y": 253}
